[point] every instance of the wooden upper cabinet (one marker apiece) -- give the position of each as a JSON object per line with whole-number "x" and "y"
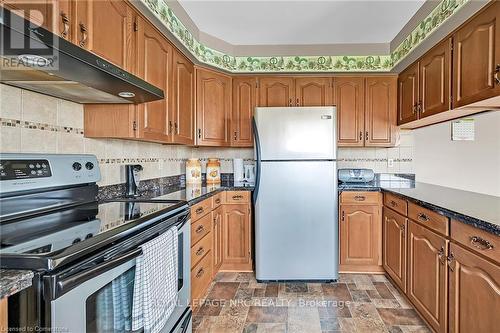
{"x": 435, "y": 79}
{"x": 106, "y": 28}
{"x": 349, "y": 98}
{"x": 313, "y": 91}
{"x": 244, "y": 102}
{"x": 394, "y": 246}
{"x": 44, "y": 13}
{"x": 381, "y": 111}
{"x": 427, "y": 275}
{"x": 474, "y": 292}
{"x": 236, "y": 236}
{"x": 360, "y": 236}
{"x": 476, "y": 58}
{"x": 276, "y": 91}
{"x": 182, "y": 97}
{"x": 213, "y": 108}
{"x": 408, "y": 94}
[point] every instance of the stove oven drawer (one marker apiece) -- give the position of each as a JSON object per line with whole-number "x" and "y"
{"x": 200, "y": 228}
{"x": 201, "y": 276}
{"x": 200, "y": 249}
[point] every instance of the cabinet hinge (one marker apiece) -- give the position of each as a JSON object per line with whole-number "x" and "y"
{"x": 134, "y": 125}
{"x": 136, "y": 26}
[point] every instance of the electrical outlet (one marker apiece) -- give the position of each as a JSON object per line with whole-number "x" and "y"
{"x": 390, "y": 163}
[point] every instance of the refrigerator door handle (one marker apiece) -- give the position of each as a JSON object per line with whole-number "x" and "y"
{"x": 257, "y": 161}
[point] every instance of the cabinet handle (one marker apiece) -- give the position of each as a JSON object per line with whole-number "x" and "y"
{"x": 199, "y": 133}
{"x": 217, "y": 201}
{"x": 360, "y": 135}
{"x": 419, "y": 107}
{"x": 414, "y": 109}
{"x": 237, "y": 197}
{"x": 83, "y": 30}
{"x": 290, "y": 102}
{"x": 343, "y": 215}
{"x": 199, "y": 210}
{"x": 297, "y": 101}
{"x": 366, "y": 136}
{"x": 65, "y": 22}
{"x": 200, "y": 272}
{"x": 497, "y": 70}
{"x": 423, "y": 217}
{"x": 451, "y": 261}
{"x": 481, "y": 243}
{"x": 359, "y": 198}
{"x": 200, "y": 229}
{"x": 393, "y": 203}
{"x": 235, "y": 135}
{"x": 170, "y": 127}
{"x": 176, "y": 128}
{"x": 200, "y": 251}
{"x": 402, "y": 228}
{"x": 441, "y": 255}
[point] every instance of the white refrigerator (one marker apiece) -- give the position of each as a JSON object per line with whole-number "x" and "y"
{"x": 295, "y": 196}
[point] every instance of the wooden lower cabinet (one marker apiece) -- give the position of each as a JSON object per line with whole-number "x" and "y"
{"x": 360, "y": 235}
{"x": 4, "y": 315}
{"x": 394, "y": 246}
{"x": 427, "y": 275}
{"x": 237, "y": 237}
{"x": 217, "y": 237}
{"x": 201, "y": 277}
{"x": 474, "y": 292}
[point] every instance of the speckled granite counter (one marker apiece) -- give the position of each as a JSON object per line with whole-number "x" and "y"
{"x": 479, "y": 210}
{"x": 13, "y": 281}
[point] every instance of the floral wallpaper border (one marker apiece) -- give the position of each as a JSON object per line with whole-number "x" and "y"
{"x": 328, "y": 63}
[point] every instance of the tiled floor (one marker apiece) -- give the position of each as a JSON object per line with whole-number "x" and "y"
{"x": 357, "y": 303}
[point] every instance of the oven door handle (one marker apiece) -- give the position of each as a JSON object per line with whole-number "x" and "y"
{"x": 56, "y": 287}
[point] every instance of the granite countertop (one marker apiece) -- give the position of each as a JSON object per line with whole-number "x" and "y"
{"x": 13, "y": 281}
{"x": 476, "y": 209}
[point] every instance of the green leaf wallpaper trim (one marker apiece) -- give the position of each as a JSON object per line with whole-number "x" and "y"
{"x": 290, "y": 64}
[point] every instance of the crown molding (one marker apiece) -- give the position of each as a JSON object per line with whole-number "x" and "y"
{"x": 320, "y": 58}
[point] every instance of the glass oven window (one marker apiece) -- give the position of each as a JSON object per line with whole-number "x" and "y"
{"x": 109, "y": 309}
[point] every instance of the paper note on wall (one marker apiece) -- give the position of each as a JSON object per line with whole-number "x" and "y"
{"x": 462, "y": 130}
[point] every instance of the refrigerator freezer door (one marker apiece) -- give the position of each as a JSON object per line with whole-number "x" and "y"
{"x": 301, "y": 133}
{"x": 296, "y": 221}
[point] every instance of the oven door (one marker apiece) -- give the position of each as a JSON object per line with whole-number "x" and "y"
{"x": 99, "y": 300}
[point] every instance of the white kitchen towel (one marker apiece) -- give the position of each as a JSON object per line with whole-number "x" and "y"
{"x": 155, "y": 288}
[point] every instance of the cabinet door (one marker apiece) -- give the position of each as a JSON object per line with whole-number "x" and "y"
{"x": 360, "y": 235}
{"x": 313, "y": 91}
{"x": 182, "y": 100}
{"x": 476, "y": 58}
{"x": 244, "y": 101}
{"x": 435, "y": 79}
{"x": 394, "y": 246}
{"x": 474, "y": 292}
{"x": 381, "y": 111}
{"x": 44, "y": 13}
{"x": 427, "y": 274}
{"x": 276, "y": 91}
{"x": 217, "y": 216}
{"x": 105, "y": 28}
{"x": 408, "y": 97}
{"x": 349, "y": 98}
{"x": 154, "y": 65}
{"x": 236, "y": 235}
{"x": 213, "y": 92}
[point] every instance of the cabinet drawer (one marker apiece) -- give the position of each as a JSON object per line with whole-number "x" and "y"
{"x": 430, "y": 219}
{"x": 365, "y": 198}
{"x": 237, "y": 197}
{"x": 200, "y": 209}
{"x": 200, "y": 228}
{"x": 476, "y": 239}
{"x": 396, "y": 203}
{"x": 201, "y": 276}
{"x": 201, "y": 248}
{"x": 217, "y": 200}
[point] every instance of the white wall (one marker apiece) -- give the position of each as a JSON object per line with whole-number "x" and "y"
{"x": 467, "y": 165}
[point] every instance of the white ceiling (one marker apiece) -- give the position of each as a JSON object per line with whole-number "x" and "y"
{"x": 282, "y": 22}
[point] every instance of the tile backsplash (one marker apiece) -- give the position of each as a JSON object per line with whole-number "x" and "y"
{"x": 35, "y": 123}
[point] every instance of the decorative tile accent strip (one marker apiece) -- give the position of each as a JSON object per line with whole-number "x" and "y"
{"x": 40, "y": 126}
{"x": 373, "y": 160}
{"x": 154, "y": 159}
{"x": 327, "y": 63}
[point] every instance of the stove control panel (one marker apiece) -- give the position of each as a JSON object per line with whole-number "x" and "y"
{"x": 22, "y": 169}
{"x": 25, "y": 172}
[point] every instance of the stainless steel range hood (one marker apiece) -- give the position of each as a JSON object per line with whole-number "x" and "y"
{"x": 35, "y": 59}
